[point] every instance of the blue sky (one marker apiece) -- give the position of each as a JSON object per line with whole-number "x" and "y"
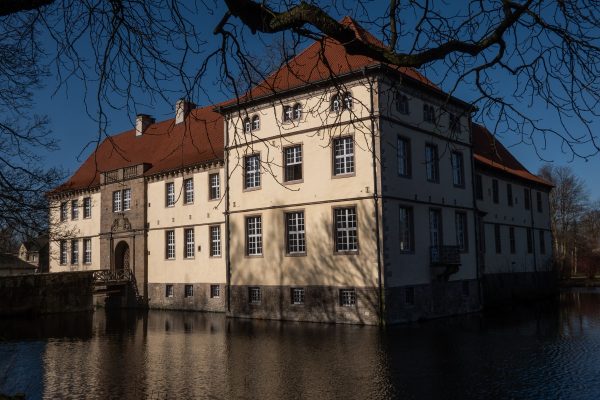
{"x": 72, "y": 126}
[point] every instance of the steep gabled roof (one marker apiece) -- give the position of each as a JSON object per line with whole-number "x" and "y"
{"x": 490, "y": 152}
{"x": 164, "y": 145}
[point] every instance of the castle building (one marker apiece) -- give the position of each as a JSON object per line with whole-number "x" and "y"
{"x": 340, "y": 189}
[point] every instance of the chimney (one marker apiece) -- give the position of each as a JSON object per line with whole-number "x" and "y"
{"x": 142, "y": 122}
{"x": 182, "y": 109}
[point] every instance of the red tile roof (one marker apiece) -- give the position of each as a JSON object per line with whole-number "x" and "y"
{"x": 490, "y": 152}
{"x": 164, "y": 145}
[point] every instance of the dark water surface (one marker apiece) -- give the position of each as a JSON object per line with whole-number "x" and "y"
{"x": 544, "y": 352}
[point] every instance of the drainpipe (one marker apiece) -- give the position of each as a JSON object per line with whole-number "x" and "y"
{"x": 227, "y": 235}
{"x": 376, "y": 202}
{"x": 478, "y": 225}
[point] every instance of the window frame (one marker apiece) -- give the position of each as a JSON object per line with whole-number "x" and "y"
{"x": 297, "y": 296}
{"x": 498, "y": 238}
{"x": 212, "y": 253}
{"x": 215, "y": 291}
{"x": 344, "y": 156}
{"x": 187, "y": 250}
{"x": 459, "y": 157}
{"x": 410, "y": 230}
{"x": 74, "y": 209}
{"x": 351, "y": 296}
{"x": 64, "y": 211}
{"x": 286, "y": 165}
{"x": 336, "y": 250}
{"x": 429, "y": 113}
{"x": 170, "y": 198}
{"x": 440, "y": 227}
{"x": 259, "y": 236}
{"x": 63, "y": 252}
{"x": 188, "y": 192}
{"x": 169, "y": 290}
{"x": 401, "y": 103}
{"x": 407, "y": 156}
{"x": 301, "y": 233}
{"x": 74, "y": 251}
{"x": 87, "y": 207}
{"x": 255, "y": 122}
{"x": 211, "y": 187}
{"x": 252, "y": 300}
{"x": 435, "y": 163}
{"x": 461, "y": 215}
{"x": 187, "y": 294}
{"x": 170, "y": 249}
{"x": 117, "y": 201}
{"x": 87, "y": 251}
{"x": 257, "y": 172}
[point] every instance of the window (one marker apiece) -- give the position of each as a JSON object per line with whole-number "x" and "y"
{"x": 64, "y": 211}
{"x": 458, "y": 169}
{"x": 252, "y": 171}
{"x": 336, "y": 104}
{"x": 428, "y": 113}
{"x": 188, "y": 185}
{"x": 542, "y": 243}
{"x": 346, "y": 233}
{"x": 497, "y": 238}
{"x": 116, "y": 200}
{"x": 509, "y": 194}
{"x": 295, "y": 237}
{"x": 527, "y": 198}
{"x": 529, "y": 241}
{"x": 435, "y": 228}
{"x": 478, "y": 187}
{"x": 215, "y": 186}
{"x": 297, "y": 295}
{"x": 432, "y": 168}
{"x": 170, "y": 245}
{"x": 406, "y": 228}
{"x": 347, "y": 297}
{"x": 87, "y": 251}
{"x": 188, "y": 291}
{"x": 297, "y": 111}
{"x": 401, "y": 103}
{"x": 292, "y": 163}
{"x": 215, "y": 241}
{"x": 74, "y": 209}
{"x": 409, "y": 296}
{"x": 347, "y": 101}
{"x": 288, "y": 113}
{"x": 169, "y": 292}
{"x": 254, "y": 236}
{"x": 495, "y": 194}
{"x": 87, "y": 207}
{"x": 63, "y": 252}
{"x": 170, "y": 188}
{"x": 247, "y": 125}
{"x": 539, "y": 201}
{"x": 341, "y": 102}
{"x": 189, "y": 243}
{"x": 462, "y": 237}
{"x": 255, "y": 123}
{"x": 512, "y": 241}
{"x": 344, "y": 156}
{"x": 454, "y": 123}
{"x": 403, "y": 155}
{"x": 75, "y": 252}
{"x": 126, "y": 199}
{"x": 215, "y": 291}
{"x": 254, "y": 295}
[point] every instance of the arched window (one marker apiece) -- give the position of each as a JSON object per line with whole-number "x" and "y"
{"x": 401, "y": 103}
{"x": 336, "y": 104}
{"x": 428, "y": 113}
{"x": 288, "y": 113}
{"x": 347, "y": 101}
{"x": 255, "y": 123}
{"x": 247, "y": 125}
{"x": 297, "y": 111}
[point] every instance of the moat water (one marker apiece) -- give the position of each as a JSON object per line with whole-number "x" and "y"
{"x": 547, "y": 351}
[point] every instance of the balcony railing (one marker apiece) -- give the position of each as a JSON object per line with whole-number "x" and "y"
{"x": 444, "y": 255}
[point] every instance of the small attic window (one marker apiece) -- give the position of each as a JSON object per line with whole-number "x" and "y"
{"x": 255, "y": 123}
{"x": 401, "y": 103}
{"x": 247, "y": 125}
{"x": 341, "y": 102}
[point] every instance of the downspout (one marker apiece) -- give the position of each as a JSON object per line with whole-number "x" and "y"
{"x": 376, "y": 202}
{"x": 478, "y": 225}
{"x": 226, "y": 236}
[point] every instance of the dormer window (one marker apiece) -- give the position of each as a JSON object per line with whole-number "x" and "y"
{"x": 255, "y": 123}
{"x": 401, "y": 103}
{"x": 428, "y": 113}
{"x": 341, "y": 102}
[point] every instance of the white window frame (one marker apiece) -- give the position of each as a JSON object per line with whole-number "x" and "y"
{"x": 126, "y": 199}
{"x": 254, "y": 245}
{"x": 87, "y": 251}
{"x": 295, "y": 233}
{"x": 255, "y": 123}
{"x": 190, "y": 243}
{"x": 458, "y": 169}
{"x": 64, "y": 211}
{"x": 87, "y": 207}
{"x": 254, "y": 295}
{"x": 462, "y": 231}
{"x": 405, "y": 229}
{"x": 215, "y": 291}
{"x": 170, "y": 244}
{"x": 297, "y": 111}
{"x": 346, "y": 229}
{"x": 170, "y": 194}
{"x": 74, "y": 209}
{"x": 252, "y": 171}
{"x": 169, "y": 290}
{"x": 403, "y": 157}
{"x": 188, "y": 293}
{"x": 188, "y": 186}
{"x": 214, "y": 180}
{"x": 117, "y": 205}
{"x": 292, "y": 159}
{"x": 436, "y": 237}
{"x": 343, "y": 156}
{"x": 63, "y": 252}
{"x": 297, "y": 296}
{"x": 74, "y": 252}
{"x": 215, "y": 240}
{"x": 347, "y": 297}
{"x": 247, "y": 125}
{"x": 432, "y": 163}
{"x": 288, "y": 113}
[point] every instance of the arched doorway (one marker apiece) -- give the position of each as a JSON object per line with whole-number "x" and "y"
{"x": 122, "y": 256}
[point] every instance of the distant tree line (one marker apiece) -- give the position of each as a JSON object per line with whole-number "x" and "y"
{"x": 575, "y": 223}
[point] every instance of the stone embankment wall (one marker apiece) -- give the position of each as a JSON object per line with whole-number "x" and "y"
{"x": 46, "y": 293}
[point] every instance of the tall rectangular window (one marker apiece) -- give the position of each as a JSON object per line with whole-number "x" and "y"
{"x": 188, "y": 291}
{"x": 215, "y": 241}
{"x": 215, "y": 291}
{"x": 497, "y": 238}
{"x": 295, "y": 236}
{"x": 435, "y": 228}
{"x": 458, "y": 169}
{"x": 346, "y": 229}
{"x": 215, "y": 186}
{"x": 63, "y": 252}
{"x": 252, "y": 171}
{"x": 170, "y": 245}
{"x": 542, "y": 243}
{"x": 509, "y": 194}
{"x": 188, "y": 187}
{"x": 64, "y": 211}
{"x": 87, "y": 207}
{"x": 539, "y": 201}
{"x": 292, "y": 163}
{"x": 403, "y": 156}
{"x": 169, "y": 292}
{"x": 254, "y": 295}
{"x": 347, "y": 297}
{"x": 343, "y": 162}
{"x": 87, "y": 251}
{"x": 478, "y": 187}
{"x": 527, "y": 198}
{"x": 74, "y": 252}
{"x": 74, "y": 209}
{"x": 189, "y": 243}
{"x": 529, "y": 241}
{"x": 512, "y": 240}
{"x": 432, "y": 167}
{"x": 462, "y": 236}
{"x": 254, "y": 236}
{"x": 116, "y": 201}
{"x": 126, "y": 199}
{"x": 170, "y": 198}
{"x": 297, "y": 295}
{"x": 405, "y": 223}
{"x": 495, "y": 192}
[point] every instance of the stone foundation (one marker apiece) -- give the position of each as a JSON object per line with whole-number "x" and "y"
{"x": 321, "y": 304}
{"x": 200, "y": 301}
{"x": 511, "y": 288}
{"x": 438, "y": 299}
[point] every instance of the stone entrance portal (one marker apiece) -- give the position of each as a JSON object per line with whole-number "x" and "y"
{"x": 122, "y": 257}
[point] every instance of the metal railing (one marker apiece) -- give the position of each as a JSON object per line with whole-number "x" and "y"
{"x": 444, "y": 255}
{"x": 106, "y": 276}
